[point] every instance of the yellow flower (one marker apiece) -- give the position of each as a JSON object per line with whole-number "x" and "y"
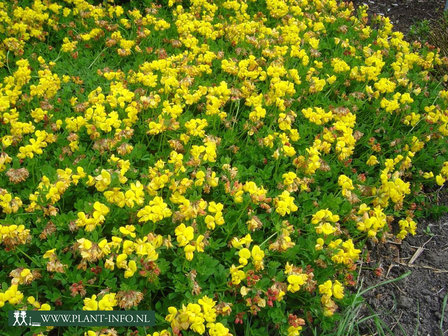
{"x": 295, "y": 281}
{"x": 406, "y": 226}
{"x": 155, "y": 211}
{"x": 339, "y": 65}
{"x": 45, "y": 306}
{"x": 237, "y": 274}
{"x": 428, "y": 175}
{"x": 257, "y": 256}
{"x": 100, "y": 211}
{"x": 338, "y": 290}
{"x": 325, "y": 288}
{"x": 326, "y": 229}
{"x": 210, "y": 221}
{"x": 50, "y": 254}
{"x": 199, "y": 243}
{"x": 131, "y": 269}
{"x": 257, "y": 253}
{"x": 90, "y": 303}
{"x": 121, "y": 260}
{"x": 440, "y": 180}
{"x": 218, "y": 329}
{"x": 184, "y": 234}
{"x": 68, "y": 46}
{"x": 115, "y": 196}
{"x": 172, "y": 314}
{"x": 103, "y": 180}
{"x": 288, "y": 178}
{"x": 189, "y": 249}
{"x": 372, "y": 160}
{"x": 244, "y": 255}
{"x": 285, "y": 204}
{"x": 107, "y": 302}
{"x": 128, "y": 230}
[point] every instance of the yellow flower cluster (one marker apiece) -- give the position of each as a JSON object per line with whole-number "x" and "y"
{"x": 52, "y": 192}
{"x": 36, "y": 304}
{"x": 370, "y": 220}
{"x": 185, "y": 236}
{"x": 198, "y": 317}
{"x": 443, "y": 176}
{"x": 155, "y": 211}
{"x": 323, "y": 220}
{"x": 328, "y": 290}
{"x": 256, "y": 254}
{"x": 295, "y": 281}
{"x": 345, "y": 252}
{"x": 284, "y": 240}
{"x": 22, "y": 276}
{"x": 157, "y": 141}
{"x": 12, "y": 235}
{"x": 392, "y": 188}
{"x": 107, "y": 302}
{"x": 215, "y": 216}
{"x": 284, "y": 204}
{"x": 98, "y": 217}
{"x": 346, "y": 184}
{"x": 406, "y": 226}
{"x": 11, "y": 295}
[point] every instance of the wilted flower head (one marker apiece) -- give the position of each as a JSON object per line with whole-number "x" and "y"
{"x": 17, "y": 175}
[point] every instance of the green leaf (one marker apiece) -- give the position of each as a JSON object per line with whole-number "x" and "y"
{"x": 206, "y": 266}
{"x": 273, "y": 268}
{"x": 220, "y": 275}
{"x": 277, "y": 315}
{"x": 263, "y": 283}
{"x": 111, "y": 282}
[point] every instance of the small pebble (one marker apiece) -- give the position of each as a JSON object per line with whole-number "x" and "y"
{"x": 405, "y": 302}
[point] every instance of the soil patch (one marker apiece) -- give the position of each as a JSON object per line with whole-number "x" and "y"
{"x": 404, "y": 13}
{"x": 413, "y": 305}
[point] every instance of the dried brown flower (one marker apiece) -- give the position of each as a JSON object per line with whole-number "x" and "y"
{"x": 55, "y": 266}
{"x": 48, "y": 230}
{"x": 17, "y": 175}
{"x": 129, "y": 299}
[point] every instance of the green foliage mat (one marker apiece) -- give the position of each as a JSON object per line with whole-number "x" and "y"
{"x": 219, "y": 162}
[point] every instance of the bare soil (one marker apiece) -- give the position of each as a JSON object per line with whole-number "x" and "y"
{"x": 413, "y": 305}
{"x": 404, "y": 13}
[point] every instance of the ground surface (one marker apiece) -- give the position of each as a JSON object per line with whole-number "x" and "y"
{"x": 412, "y": 306}
{"x": 404, "y": 13}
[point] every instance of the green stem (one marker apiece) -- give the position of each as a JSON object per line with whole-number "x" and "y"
{"x": 96, "y": 58}
{"x": 90, "y": 285}
{"x": 277, "y": 163}
{"x": 26, "y": 255}
{"x": 236, "y": 222}
{"x": 7, "y": 62}
{"x": 59, "y": 56}
{"x": 271, "y": 236}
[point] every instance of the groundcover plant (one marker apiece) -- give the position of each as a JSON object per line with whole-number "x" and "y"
{"x": 221, "y": 163}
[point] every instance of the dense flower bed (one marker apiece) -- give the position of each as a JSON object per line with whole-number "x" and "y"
{"x": 219, "y": 162}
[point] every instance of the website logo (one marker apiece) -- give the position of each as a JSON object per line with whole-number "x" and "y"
{"x": 103, "y": 318}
